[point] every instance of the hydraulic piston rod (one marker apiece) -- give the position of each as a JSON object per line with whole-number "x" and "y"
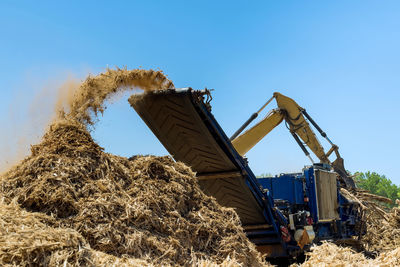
{"x": 252, "y": 118}
{"x": 316, "y": 126}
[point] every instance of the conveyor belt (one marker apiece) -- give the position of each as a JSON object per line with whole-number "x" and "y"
{"x": 184, "y": 125}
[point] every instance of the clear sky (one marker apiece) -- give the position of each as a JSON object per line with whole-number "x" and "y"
{"x": 338, "y": 59}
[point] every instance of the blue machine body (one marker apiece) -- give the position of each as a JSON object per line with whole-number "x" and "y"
{"x": 298, "y": 192}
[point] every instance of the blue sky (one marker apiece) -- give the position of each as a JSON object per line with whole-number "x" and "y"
{"x": 340, "y": 60}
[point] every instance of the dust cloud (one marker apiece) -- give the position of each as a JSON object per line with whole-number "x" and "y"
{"x": 29, "y": 115}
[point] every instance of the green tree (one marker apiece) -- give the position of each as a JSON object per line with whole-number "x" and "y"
{"x": 377, "y": 184}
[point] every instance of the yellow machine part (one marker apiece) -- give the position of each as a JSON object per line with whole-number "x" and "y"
{"x": 289, "y": 110}
{"x": 300, "y": 126}
{"x": 251, "y": 137}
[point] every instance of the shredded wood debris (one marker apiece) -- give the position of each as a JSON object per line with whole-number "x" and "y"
{"x": 382, "y": 227}
{"x": 71, "y": 204}
{"x": 89, "y": 98}
{"x": 329, "y": 254}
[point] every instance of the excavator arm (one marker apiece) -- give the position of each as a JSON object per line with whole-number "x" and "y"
{"x": 295, "y": 116}
{"x": 251, "y": 137}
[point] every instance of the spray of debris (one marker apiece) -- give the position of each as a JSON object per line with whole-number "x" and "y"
{"x": 89, "y": 98}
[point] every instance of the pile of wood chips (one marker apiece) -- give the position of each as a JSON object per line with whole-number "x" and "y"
{"x": 329, "y": 254}
{"x": 70, "y": 202}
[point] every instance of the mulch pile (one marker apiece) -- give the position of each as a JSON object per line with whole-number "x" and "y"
{"x": 329, "y": 254}
{"x": 71, "y": 204}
